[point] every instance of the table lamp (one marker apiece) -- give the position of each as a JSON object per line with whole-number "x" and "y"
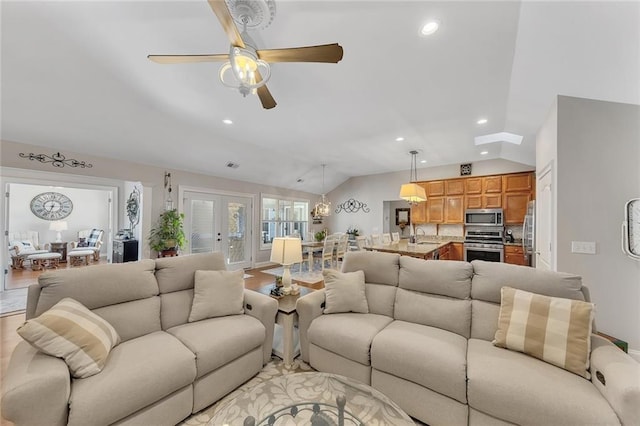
{"x": 286, "y": 252}
{"x": 58, "y": 225}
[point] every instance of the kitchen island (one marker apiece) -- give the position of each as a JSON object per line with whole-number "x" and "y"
{"x": 423, "y": 249}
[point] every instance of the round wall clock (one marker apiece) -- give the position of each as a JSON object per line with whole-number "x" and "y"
{"x": 51, "y": 206}
{"x": 631, "y": 229}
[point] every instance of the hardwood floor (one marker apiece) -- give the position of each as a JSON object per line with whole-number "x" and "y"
{"x": 9, "y": 324}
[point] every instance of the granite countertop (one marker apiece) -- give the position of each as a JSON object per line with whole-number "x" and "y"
{"x": 425, "y": 246}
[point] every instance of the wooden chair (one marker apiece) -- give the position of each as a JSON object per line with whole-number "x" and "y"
{"x": 375, "y": 239}
{"x": 361, "y": 242}
{"x": 93, "y": 239}
{"x": 327, "y": 250}
{"x": 386, "y": 238}
{"x": 341, "y": 247}
{"x": 22, "y": 245}
{"x": 395, "y": 237}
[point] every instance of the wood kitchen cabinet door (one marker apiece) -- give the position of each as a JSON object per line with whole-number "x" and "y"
{"x": 434, "y": 188}
{"x": 456, "y": 251}
{"x": 492, "y": 201}
{"x": 473, "y": 201}
{"x": 454, "y": 209}
{"x": 518, "y": 182}
{"x": 419, "y": 213}
{"x": 492, "y": 184}
{"x": 473, "y": 186}
{"x": 515, "y": 207}
{"x": 435, "y": 209}
{"x": 454, "y": 186}
{"x": 514, "y": 255}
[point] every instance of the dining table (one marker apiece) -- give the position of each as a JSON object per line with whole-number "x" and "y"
{"x": 311, "y": 246}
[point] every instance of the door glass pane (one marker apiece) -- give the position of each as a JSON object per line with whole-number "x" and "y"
{"x": 202, "y": 226}
{"x": 237, "y": 232}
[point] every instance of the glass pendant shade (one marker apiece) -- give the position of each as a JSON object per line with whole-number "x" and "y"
{"x": 412, "y": 192}
{"x": 323, "y": 206}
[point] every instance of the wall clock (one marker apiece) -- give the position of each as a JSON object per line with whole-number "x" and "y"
{"x": 631, "y": 229}
{"x": 51, "y": 206}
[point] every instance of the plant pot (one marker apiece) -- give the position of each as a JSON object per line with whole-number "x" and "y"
{"x": 168, "y": 252}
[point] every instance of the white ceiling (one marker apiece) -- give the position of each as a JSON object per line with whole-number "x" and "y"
{"x": 75, "y": 77}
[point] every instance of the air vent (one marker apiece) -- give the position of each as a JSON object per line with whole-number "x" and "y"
{"x": 233, "y": 165}
{"x": 465, "y": 169}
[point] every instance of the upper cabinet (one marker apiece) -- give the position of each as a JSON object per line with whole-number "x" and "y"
{"x": 448, "y": 198}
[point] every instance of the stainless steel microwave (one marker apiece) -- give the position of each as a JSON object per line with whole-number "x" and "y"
{"x": 483, "y": 217}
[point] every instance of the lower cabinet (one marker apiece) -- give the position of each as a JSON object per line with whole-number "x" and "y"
{"x": 125, "y": 251}
{"x": 514, "y": 255}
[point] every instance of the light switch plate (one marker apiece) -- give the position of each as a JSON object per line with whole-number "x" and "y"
{"x": 584, "y": 247}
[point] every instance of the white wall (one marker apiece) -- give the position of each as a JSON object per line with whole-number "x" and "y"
{"x": 374, "y": 190}
{"x": 90, "y": 210}
{"x": 598, "y": 157}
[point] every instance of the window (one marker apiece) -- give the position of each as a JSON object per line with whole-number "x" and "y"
{"x": 282, "y": 217}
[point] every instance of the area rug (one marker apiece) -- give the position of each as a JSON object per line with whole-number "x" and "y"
{"x": 12, "y": 301}
{"x": 274, "y": 368}
{"x": 303, "y": 276}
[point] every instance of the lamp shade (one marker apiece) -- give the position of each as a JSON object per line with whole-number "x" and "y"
{"x": 413, "y": 193}
{"x": 58, "y": 225}
{"x": 286, "y": 251}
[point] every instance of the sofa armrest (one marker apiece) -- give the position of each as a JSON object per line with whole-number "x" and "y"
{"x": 308, "y": 307}
{"x": 35, "y": 388}
{"x": 617, "y": 376}
{"x": 264, "y": 309}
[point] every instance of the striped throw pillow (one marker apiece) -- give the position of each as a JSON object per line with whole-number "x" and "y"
{"x": 72, "y": 332}
{"x": 553, "y": 329}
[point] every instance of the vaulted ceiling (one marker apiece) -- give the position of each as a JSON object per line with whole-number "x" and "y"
{"x": 75, "y": 76}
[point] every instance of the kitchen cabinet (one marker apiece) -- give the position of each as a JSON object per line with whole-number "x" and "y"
{"x": 492, "y": 184}
{"x": 435, "y": 209}
{"x": 454, "y": 209}
{"x": 444, "y": 252}
{"x": 456, "y": 251}
{"x": 419, "y": 213}
{"x": 125, "y": 251}
{"x": 473, "y": 186}
{"x": 515, "y": 206}
{"x": 518, "y": 182}
{"x": 514, "y": 255}
{"x": 454, "y": 186}
{"x": 434, "y": 188}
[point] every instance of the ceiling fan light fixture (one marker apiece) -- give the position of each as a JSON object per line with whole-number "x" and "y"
{"x": 241, "y": 70}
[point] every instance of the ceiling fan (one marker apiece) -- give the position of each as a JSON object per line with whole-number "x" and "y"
{"x": 246, "y": 68}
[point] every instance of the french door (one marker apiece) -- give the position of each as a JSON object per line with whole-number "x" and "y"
{"x": 219, "y": 223}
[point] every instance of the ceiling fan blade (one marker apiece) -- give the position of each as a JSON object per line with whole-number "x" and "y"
{"x": 324, "y": 53}
{"x": 264, "y": 94}
{"x": 186, "y": 59}
{"x": 221, "y": 10}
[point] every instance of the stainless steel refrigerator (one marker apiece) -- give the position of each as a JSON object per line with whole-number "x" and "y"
{"x": 529, "y": 234}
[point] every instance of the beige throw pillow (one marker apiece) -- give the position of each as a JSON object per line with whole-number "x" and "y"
{"x": 553, "y": 329}
{"x": 217, "y": 294}
{"x": 344, "y": 292}
{"x": 72, "y": 332}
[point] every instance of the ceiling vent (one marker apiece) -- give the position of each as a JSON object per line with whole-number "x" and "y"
{"x": 232, "y": 165}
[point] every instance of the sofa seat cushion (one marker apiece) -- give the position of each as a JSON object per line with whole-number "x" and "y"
{"x": 429, "y": 356}
{"x": 218, "y": 341}
{"x": 138, "y": 373}
{"x": 524, "y": 390}
{"x": 348, "y": 335}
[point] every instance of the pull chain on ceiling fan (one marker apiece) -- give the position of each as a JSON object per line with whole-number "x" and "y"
{"x": 247, "y": 69}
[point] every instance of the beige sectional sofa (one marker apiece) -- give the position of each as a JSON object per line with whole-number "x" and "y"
{"x": 427, "y": 344}
{"x": 164, "y": 369}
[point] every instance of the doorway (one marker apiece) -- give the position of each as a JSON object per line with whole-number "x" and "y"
{"x": 216, "y": 222}
{"x": 544, "y": 250}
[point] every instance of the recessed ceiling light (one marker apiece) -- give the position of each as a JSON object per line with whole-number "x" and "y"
{"x": 227, "y": 121}
{"x": 482, "y": 121}
{"x": 429, "y": 28}
{"x": 423, "y": 161}
{"x": 484, "y": 152}
{"x": 399, "y": 139}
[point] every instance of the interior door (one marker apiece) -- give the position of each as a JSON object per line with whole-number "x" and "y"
{"x": 544, "y": 250}
{"x": 219, "y": 223}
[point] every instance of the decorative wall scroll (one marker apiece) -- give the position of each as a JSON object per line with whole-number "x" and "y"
{"x": 352, "y": 206}
{"x": 56, "y": 160}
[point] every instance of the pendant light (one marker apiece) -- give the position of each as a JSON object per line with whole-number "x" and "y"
{"x": 412, "y": 192}
{"x": 323, "y": 206}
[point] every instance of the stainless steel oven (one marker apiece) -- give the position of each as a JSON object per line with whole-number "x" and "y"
{"x": 484, "y": 217}
{"x": 484, "y": 243}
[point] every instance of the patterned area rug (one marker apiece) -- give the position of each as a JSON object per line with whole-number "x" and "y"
{"x": 274, "y": 368}
{"x": 12, "y": 301}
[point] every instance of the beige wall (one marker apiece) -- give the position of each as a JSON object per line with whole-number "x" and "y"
{"x": 598, "y": 158}
{"x": 150, "y": 176}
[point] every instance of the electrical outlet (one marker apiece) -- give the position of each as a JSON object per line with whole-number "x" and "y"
{"x": 583, "y": 247}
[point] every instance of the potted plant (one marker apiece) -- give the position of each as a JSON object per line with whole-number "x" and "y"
{"x": 167, "y": 236}
{"x": 320, "y": 235}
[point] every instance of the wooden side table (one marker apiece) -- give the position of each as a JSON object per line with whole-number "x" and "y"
{"x": 60, "y": 248}
{"x": 287, "y": 317}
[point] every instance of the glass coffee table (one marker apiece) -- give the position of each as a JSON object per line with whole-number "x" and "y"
{"x": 310, "y": 399}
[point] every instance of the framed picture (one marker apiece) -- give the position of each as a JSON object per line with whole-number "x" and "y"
{"x": 403, "y": 217}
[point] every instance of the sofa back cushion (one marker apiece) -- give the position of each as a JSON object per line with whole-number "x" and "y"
{"x": 490, "y": 277}
{"x": 124, "y": 294}
{"x": 380, "y": 277}
{"x": 435, "y": 293}
{"x": 176, "y": 278}
{"x": 178, "y": 273}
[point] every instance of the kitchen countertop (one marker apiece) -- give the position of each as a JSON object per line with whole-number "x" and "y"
{"x": 424, "y": 248}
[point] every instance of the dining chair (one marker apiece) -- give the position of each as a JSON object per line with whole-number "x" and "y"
{"x": 341, "y": 247}
{"x": 395, "y": 237}
{"x": 327, "y": 250}
{"x": 386, "y": 238}
{"x": 375, "y": 239}
{"x": 361, "y": 242}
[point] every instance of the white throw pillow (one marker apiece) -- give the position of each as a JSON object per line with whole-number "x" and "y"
{"x": 217, "y": 294}
{"x": 72, "y": 332}
{"x": 344, "y": 292}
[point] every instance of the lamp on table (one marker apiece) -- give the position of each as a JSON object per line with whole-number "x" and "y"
{"x": 286, "y": 252}
{"x": 58, "y": 225}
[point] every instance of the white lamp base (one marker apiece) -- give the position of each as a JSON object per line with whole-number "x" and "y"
{"x": 58, "y": 237}
{"x": 286, "y": 279}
